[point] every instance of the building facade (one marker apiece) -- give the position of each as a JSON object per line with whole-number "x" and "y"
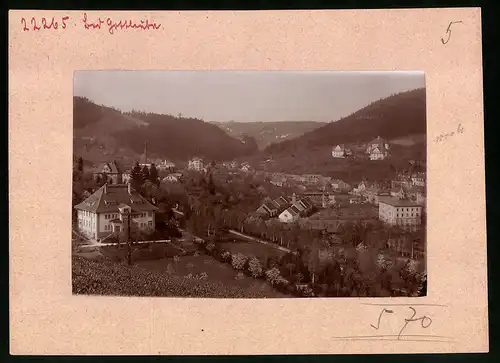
{"x": 103, "y": 212}
{"x": 111, "y": 173}
{"x": 339, "y": 151}
{"x": 196, "y": 164}
{"x": 378, "y": 149}
{"x": 400, "y": 212}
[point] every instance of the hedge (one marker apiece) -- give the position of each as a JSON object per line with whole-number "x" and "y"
{"x": 106, "y": 277}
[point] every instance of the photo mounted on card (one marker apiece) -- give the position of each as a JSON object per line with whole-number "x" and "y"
{"x": 313, "y": 179}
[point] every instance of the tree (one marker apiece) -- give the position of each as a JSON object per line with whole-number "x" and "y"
{"x": 80, "y": 164}
{"x": 136, "y": 176}
{"x": 153, "y": 175}
{"x": 145, "y": 173}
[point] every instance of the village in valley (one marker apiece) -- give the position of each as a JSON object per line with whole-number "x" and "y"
{"x": 154, "y": 225}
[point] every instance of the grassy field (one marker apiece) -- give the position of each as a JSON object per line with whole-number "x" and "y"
{"x": 249, "y": 248}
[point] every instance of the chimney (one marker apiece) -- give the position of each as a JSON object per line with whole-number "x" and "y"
{"x": 105, "y": 188}
{"x": 294, "y": 198}
{"x": 129, "y": 188}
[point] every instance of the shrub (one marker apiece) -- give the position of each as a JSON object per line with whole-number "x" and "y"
{"x": 170, "y": 269}
{"x": 273, "y": 275}
{"x": 254, "y": 267}
{"x": 202, "y": 276}
{"x": 238, "y": 261}
{"x": 226, "y": 256}
{"x": 189, "y": 265}
{"x": 210, "y": 246}
{"x": 305, "y": 290}
{"x": 239, "y": 276}
{"x": 381, "y": 262}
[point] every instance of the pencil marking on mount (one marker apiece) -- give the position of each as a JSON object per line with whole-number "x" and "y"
{"x": 448, "y": 31}
{"x": 447, "y": 135}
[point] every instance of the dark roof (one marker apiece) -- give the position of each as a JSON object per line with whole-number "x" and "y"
{"x": 396, "y": 202}
{"x": 307, "y": 202}
{"x": 281, "y": 201}
{"x": 114, "y": 166}
{"x": 116, "y": 195}
{"x": 294, "y": 210}
{"x": 271, "y": 205}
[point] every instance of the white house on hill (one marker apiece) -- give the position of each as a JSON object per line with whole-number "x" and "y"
{"x": 339, "y": 151}
{"x": 106, "y": 211}
{"x": 196, "y": 164}
{"x": 378, "y": 149}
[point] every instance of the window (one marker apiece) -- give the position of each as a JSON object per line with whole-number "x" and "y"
{"x": 150, "y": 223}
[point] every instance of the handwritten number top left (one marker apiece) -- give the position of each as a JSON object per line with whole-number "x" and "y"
{"x": 44, "y": 24}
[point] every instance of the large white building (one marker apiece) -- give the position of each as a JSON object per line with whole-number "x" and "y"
{"x": 399, "y": 212}
{"x": 105, "y": 211}
{"x": 195, "y": 164}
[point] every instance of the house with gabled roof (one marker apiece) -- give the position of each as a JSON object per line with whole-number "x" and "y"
{"x": 111, "y": 172}
{"x": 196, "y": 164}
{"x": 282, "y": 202}
{"x": 290, "y": 215}
{"x": 269, "y": 208}
{"x": 107, "y": 210}
{"x": 339, "y": 151}
{"x": 378, "y": 149}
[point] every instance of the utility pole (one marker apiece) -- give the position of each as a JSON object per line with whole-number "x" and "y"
{"x": 129, "y": 247}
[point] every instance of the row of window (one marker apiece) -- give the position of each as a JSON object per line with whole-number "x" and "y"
{"x": 111, "y": 216}
{"x": 108, "y": 227}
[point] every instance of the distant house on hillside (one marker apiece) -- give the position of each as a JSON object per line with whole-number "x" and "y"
{"x": 166, "y": 165}
{"x": 378, "y": 149}
{"x": 107, "y": 211}
{"x": 246, "y": 167}
{"x": 196, "y": 164}
{"x": 339, "y": 151}
{"x": 111, "y": 172}
{"x": 418, "y": 179}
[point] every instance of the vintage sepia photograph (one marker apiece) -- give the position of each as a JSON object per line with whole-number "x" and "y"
{"x": 249, "y": 184}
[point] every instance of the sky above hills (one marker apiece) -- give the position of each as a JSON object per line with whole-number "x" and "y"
{"x": 244, "y": 96}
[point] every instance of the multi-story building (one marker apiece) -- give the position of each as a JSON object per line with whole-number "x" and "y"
{"x": 400, "y": 212}
{"x": 418, "y": 179}
{"x": 107, "y": 209}
{"x": 196, "y": 164}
